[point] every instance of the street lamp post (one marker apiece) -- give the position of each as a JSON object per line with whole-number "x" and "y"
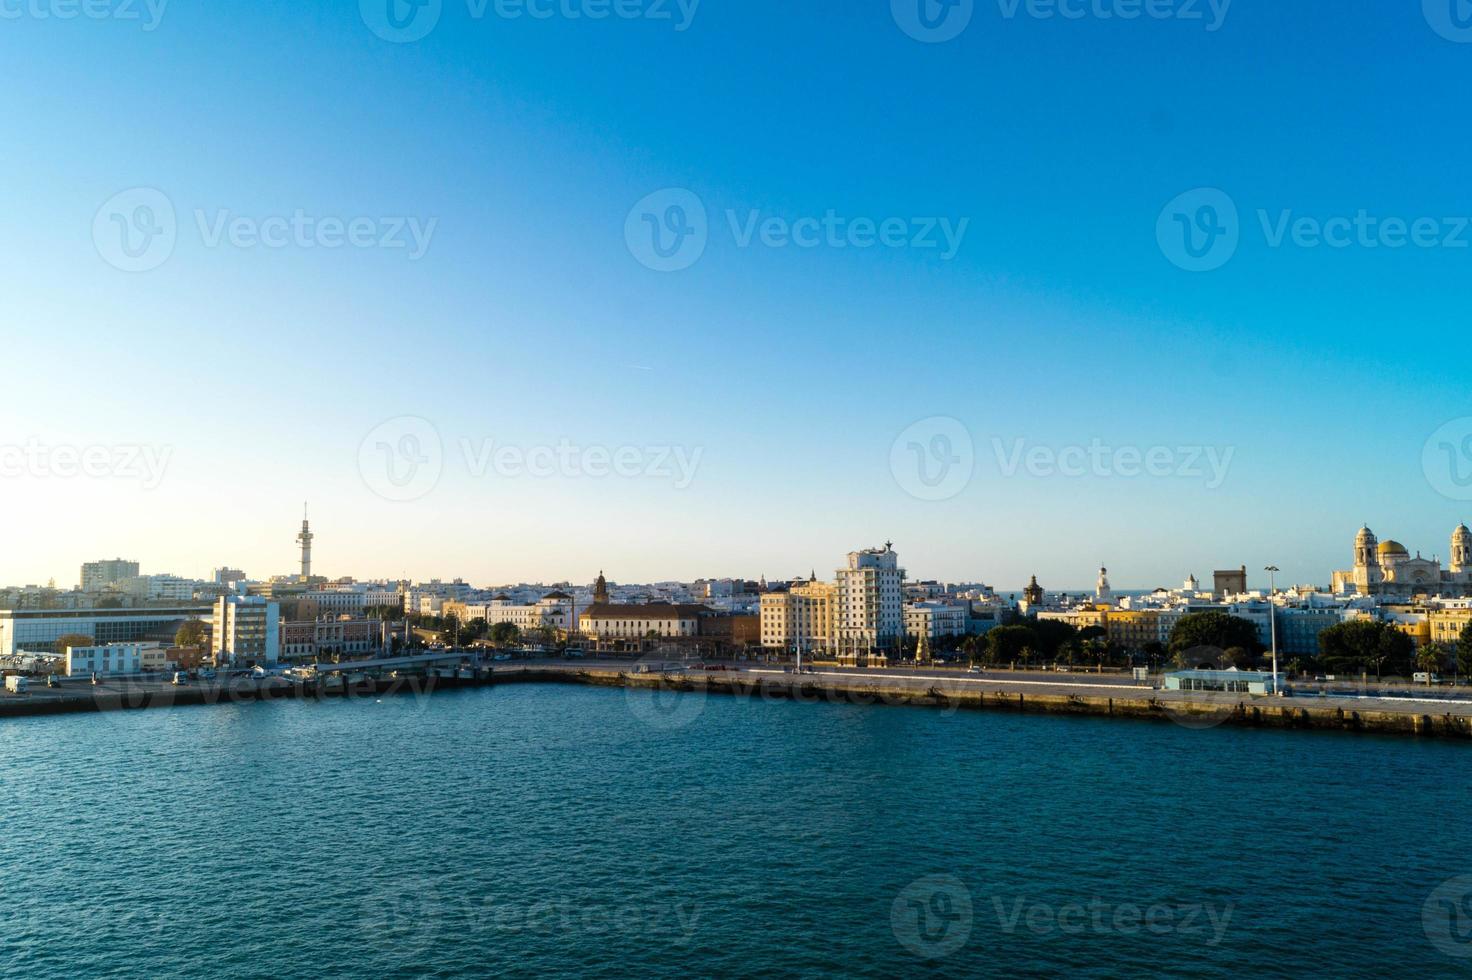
{"x": 1272, "y": 571}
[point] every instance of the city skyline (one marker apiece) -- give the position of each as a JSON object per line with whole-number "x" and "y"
{"x": 1069, "y": 581}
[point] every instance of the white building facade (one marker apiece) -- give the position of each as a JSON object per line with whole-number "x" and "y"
{"x": 870, "y": 614}
{"x": 107, "y": 660}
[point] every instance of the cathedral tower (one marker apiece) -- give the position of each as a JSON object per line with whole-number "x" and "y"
{"x": 1462, "y": 549}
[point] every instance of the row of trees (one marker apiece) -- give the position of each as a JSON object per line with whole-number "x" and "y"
{"x": 1366, "y": 646}
{"x": 1219, "y": 640}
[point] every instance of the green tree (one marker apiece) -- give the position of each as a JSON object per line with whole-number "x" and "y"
{"x": 1050, "y": 635}
{"x": 973, "y": 648}
{"x": 1363, "y": 645}
{"x": 1432, "y": 659}
{"x": 1213, "y": 629}
{"x": 191, "y": 634}
{"x": 1008, "y": 644}
{"x": 1464, "y": 650}
{"x": 504, "y": 634}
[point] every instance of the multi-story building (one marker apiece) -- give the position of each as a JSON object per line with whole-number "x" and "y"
{"x": 1132, "y": 629}
{"x": 870, "y": 620}
{"x": 352, "y": 599}
{"x": 331, "y": 640}
{"x": 109, "y": 658}
{"x": 246, "y": 631}
{"x": 162, "y": 587}
{"x": 98, "y": 575}
{"x": 802, "y": 616}
{"x": 1446, "y": 625}
{"x": 37, "y": 630}
{"x": 933, "y": 621}
{"x": 614, "y": 624}
{"x": 553, "y": 611}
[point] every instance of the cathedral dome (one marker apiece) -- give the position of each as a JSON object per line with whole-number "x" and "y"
{"x": 1392, "y": 547}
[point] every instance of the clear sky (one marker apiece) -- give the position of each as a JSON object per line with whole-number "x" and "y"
{"x": 536, "y": 316}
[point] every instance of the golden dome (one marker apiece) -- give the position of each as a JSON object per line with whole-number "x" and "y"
{"x": 1392, "y": 547}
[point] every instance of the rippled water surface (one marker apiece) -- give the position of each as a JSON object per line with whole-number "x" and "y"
{"x": 530, "y": 830}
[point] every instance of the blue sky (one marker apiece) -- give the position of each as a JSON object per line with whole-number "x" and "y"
{"x": 529, "y": 321}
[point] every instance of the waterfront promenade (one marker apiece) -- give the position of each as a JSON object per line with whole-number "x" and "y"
{"x": 1429, "y": 712}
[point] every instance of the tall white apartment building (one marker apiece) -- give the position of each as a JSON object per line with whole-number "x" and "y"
{"x": 247, "y": 631}
{"x": 870, "y": 615}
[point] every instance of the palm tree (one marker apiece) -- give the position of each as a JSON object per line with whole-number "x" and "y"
{"x": 1430, "y": 660}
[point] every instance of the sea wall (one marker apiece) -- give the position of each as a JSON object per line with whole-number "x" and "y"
{"x": 1268, "y": 713}
{"x": 1305, "y": 714}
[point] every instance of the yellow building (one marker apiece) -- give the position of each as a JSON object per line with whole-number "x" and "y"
{"x": 1132, "y": 629}
{"x": 805, "y": 615}
{"x": 1446, "y": 625}
{"x": 1079, "y": 618}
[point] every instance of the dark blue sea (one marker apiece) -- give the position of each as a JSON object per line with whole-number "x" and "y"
{"x": 563, "y": 831}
